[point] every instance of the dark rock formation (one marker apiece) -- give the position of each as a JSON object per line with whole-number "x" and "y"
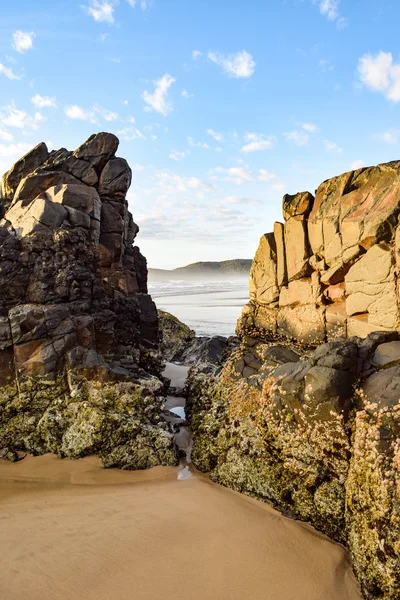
{"x": 331, "y": 270}
{"x": 79, "y": 336}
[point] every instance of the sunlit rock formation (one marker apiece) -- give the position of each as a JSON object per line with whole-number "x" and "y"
{"x": 79, "y": 337}
{"x": 306, "y": 412}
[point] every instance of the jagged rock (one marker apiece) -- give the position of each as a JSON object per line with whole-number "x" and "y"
{"x": 39, "y": 216}
{"x": 80, "y": 365}
{"x": 281, "y": 269}
{"x": 297, "y": 251}
{"x": 98, "y": 149}
{"x": 297, "y": 205}
{"x": 263, "y": 277}
{"x": 371, "y": 288}
{"x": 346, "y": 241}
{"x": 115, "y": 178}
{"x": 176, "y": 336}
{"x": 35, "y": 184}
{"x": 281, "y": 433}
{"x": 386, "y": 355}
{"x": 23, "y": 167}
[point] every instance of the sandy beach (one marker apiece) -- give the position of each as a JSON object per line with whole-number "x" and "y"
{"x": 72, "y": 530}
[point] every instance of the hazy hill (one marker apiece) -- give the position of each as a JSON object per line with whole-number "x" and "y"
{"x": 238, "y": 267}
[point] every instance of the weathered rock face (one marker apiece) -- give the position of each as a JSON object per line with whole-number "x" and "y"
{"x": 79, "y": 336}
{"x": 316, "y": 433}
{"x": 344, "y": 244}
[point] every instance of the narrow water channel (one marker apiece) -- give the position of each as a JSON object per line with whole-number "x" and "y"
{"x": 174, "y": 413}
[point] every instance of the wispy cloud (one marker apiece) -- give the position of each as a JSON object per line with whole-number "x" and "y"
{"x": 193, "y": 144}
{"x": 296, "y": 137}
{"x": 22, "y": 41}
{"x": 8, "y": 72}
{"x": 264, "y": 175}
{"x": 176, "y": 155}
{"x": 158, "y": 99}
{"x": 237, "y": 65}
{"x": 218, "y": 137}
{"x": 380, "y": 73}
{"x": 131, "y": 133}
{"x": 390, "y": 137}
{"x": 11, "y": 116}
{"x": 102, "y": 11}
{"x": 186, "y": 94}
{"x": 330, "y": 9}
{"x": 196, "y": 54}
{"x": 332, "y": 147}
{"x": 357, "y": 164}
{"x": 75, "y": 112}
{"x": 310, "y": 127}
{"x": 43, "y": 101}
{"x": 257, "y": 142}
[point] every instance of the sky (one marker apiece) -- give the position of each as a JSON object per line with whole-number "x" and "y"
{"x": 221, "y": 106}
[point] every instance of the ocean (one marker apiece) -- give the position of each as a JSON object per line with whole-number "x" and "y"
{"x": 208, "y": 307}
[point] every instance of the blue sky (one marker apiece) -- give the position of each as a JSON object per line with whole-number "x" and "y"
{"x": 221, "y": 106}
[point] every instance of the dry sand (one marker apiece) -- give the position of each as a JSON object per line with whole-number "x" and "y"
{"x": 73, "y": 531}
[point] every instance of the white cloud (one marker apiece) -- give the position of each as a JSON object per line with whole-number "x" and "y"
{"x": 193, "y": 144}
{"x": 8, "y": 72}
{"x": 264, "y": 175}
{"x": 342, "y": 23}
{"x": 279, "y": 186}
{"x": 107, "y": 115}
{"x": 325, "y": 65}
{"x": 196, "y": 54}
{"x": 390, "y": 137}
{"x": 125, "y": 102}
{"x": 237, "y": 65}
{"x": 310, "y": 127}
{"x": 10, "y": 116}
{"x": 131, "y": 133}
{"x": 43, "y": 101}
{"x": 237, "y": 175}
{"x": 357, "y": 164}
{"x": 380, "y": 73}
{"x": 240, "y": 200}
{"x": 14, "y": 149}
{"x": 22, "y": 41}
{"x": 329, "y": 8}
{"x": 102, "y": 11}
{"x": 158, "y": 99}
{"x": 257, "y": 142}
{"x": 332, "y": 147}
{"x": 186, "y": 94}
{"x": 6, "y": 136}
{"x": 218, "y": 137}
{"x": 104, "y": 36}
{"x": 170, "y": 183}
{"x": 137, "y": 167}
{"x": 144, "y": 4}
{"x": 175, "y": 155}
{"x": 298, "y": 138}
{"x": 73, "y": 111}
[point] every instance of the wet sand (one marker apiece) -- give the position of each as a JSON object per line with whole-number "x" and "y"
{"x": 71, "y": 530}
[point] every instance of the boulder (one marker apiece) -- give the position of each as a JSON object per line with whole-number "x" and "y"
{"x": 23, "y": 167}
{"x": 40, "y": 215}
{"x": 35, "y": 184}
{"x": 387, "y": 355}
{"x": 79, "y": 197}
{"x": 297, "y": 205}
{"x": 98, "y": 149}
{"x": 115, "y": 178}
